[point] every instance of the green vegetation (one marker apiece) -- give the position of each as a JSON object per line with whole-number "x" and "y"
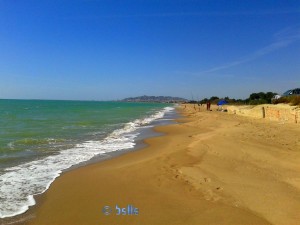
{"x": 254, "y": 99}
{"x": 292, "y": 100}
{"x": 260, "y": 98}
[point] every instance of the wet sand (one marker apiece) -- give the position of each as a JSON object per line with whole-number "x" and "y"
{"x": 211, "y": 168}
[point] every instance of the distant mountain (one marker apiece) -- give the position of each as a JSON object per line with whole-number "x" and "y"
{"x": 161, "y": 99}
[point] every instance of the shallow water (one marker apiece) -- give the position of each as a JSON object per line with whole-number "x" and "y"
{"x": 40, "y": 139}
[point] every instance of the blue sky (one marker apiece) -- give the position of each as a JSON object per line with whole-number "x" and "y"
{"x": 112, "y": 49}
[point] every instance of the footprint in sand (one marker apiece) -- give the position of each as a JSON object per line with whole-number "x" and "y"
{"x": 209, "y": 195}
{"x": 207, "y": 180}
{"x": 219, "y": 188}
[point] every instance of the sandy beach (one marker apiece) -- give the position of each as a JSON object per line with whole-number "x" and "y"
{"x": 209, "y": 168}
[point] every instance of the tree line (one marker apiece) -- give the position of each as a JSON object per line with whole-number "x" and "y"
{"x": 253, "y": 99}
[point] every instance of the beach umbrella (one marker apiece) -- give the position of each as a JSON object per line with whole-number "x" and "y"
{"x": 222, "y": 102}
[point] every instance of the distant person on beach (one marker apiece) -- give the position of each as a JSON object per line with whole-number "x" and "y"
{"x": 208, "y": 106}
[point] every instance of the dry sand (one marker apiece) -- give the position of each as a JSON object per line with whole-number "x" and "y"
{"x": 211, "y": 168}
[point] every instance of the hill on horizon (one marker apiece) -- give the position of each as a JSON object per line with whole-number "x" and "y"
{"x": 162, "y": 99}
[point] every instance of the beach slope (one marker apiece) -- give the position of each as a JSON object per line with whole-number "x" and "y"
{"x": 210, "y": 168}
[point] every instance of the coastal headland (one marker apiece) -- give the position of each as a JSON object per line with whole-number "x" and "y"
{"x": 211, "y": 167}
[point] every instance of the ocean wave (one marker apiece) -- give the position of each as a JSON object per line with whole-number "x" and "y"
{"x": 33, "y": 143}
{"x": 19, "y": 184}
{"x": 36, "y": 141}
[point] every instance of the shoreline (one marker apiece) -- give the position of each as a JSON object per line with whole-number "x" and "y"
{"x": 212, "y": 168}
{"x": 144, "y": 133}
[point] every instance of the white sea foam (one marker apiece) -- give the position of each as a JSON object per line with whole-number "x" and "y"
{"x": 19, "y": 184}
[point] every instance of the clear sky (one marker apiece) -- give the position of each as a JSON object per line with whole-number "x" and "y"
{"x": 112, "y": 49}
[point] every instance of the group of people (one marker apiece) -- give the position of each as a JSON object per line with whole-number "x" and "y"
{"x": 200, "y": 104}
{"x": 207, "y": 105}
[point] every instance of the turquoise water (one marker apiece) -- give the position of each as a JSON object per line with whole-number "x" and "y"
{"x": 34, "y": 128}
{"x": 40, "y": 139}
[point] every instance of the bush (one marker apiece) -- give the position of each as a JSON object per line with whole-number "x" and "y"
{"x": 292, "y": 100}
{"x": 281, "y": 100}
{"x": 295, "y": 100}
{"x": 258, "y": 102}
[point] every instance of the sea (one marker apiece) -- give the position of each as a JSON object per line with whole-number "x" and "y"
{"x": 40, "y": 139}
